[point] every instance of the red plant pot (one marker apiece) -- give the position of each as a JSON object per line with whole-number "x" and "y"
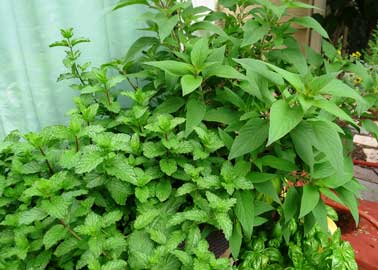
{"x": 364, "y": 238}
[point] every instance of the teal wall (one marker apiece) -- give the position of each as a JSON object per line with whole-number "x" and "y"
{"x": 30, "y": 97}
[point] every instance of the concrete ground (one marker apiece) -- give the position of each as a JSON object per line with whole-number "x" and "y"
{"x": 368, "y": 176}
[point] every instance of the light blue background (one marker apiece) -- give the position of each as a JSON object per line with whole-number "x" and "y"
{"x": 30, "y": 97}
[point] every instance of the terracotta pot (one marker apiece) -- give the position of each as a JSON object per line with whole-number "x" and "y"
{"x": 364, "y": 237}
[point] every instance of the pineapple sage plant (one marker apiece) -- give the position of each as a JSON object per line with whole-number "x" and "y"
{"x": 232, "y": 129}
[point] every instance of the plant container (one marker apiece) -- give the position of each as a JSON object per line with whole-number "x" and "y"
{"x": 364, "y": 237}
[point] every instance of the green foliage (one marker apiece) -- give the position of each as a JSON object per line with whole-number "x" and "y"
{"x": 220, "y": 126}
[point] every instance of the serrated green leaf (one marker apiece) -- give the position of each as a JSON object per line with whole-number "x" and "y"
{"x": 120, "y": 168}
{"x": 88, "y": 161}
{"x": 53, "y": 235}
{"x": 163, "y": 190}
{"x": 32, "y": 215}
{"x": 114, "y": 265}
{"x": 146, "y": 218}
{"x": 56, "y": 207}
{"x": 224, "y": 223}
{"x": 119, "y": 191}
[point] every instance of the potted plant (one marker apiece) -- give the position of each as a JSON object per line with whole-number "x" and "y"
{"x": 232, "y": 129}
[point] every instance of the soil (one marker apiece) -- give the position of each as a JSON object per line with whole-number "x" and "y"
{"x": 358, "y": 152}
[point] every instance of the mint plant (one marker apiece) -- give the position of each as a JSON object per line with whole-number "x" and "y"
{"x": 231, "y": 129}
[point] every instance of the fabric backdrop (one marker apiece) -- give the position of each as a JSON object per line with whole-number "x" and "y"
{"x": 30, "y": 97}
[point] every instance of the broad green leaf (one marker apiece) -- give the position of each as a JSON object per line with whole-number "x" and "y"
{"x": 350, "y": 200}
{"x": 257, "y": 177}
{"x": 223, "y": 71}
{"x": 88, "y": 161}
{"x": 331, "y": 195}
{"x": 168, "y": 166}
{"x": 295, "y": 57}
{"x": 253, "y": 32}
{"x": 217, "y": 55}
{"x": 244, "y": 210}
{"x": 339, "y": 89}
{"x": 328, "y": 49}
{"x": 290, "y": 206}
{"x": 257, "y": 67}
{"x": 251, "y": 136}
{"x": 189, "y": 83}
{"x": 327, "y": 140}
{"x": 320, "y": 214}
{"x": 163, "y": 190}
{"x": 236, "y": 240}
{"x": 124, "y": 3}
{"x": 277, "y": 163}
{"x": 173, "y": 67}
{"x": 294, "y": 79}
{"x": 283, "y": 119}
{"x": 371, "y": 127}
{"x": 310, "y": 198}
{"x": 53, "y": 235}
{"x": 166, "y": 25}
{"x": 268, "y": 189}
{"x": 199, "y": 53}
{"x": 195, "y": 112}
{"x": 332, "y": 108}
{"x": 221, "y": 115}
{"x": 310, "y": 22}
{"x": 170, "y": 105}
{"x": 208, "y": 26}
{"x": 303, "y": 139}
{"x": 140, "y": 44}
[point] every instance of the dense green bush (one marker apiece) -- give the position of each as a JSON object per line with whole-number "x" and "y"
{"x": 231, "y": 129}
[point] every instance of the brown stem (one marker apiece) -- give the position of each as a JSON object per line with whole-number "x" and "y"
{"x": 131, "y": 83}
{"x": 47, "y": 161}
{"x": 77, "y": 144}
{"x": 74, "y": 234}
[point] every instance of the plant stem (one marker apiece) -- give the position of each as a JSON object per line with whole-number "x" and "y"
{"x": 72, "y": 232}
{"x": 108, "y": 96}
{"x": 77, "y": 144}
{"x": 47, "y": 161}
